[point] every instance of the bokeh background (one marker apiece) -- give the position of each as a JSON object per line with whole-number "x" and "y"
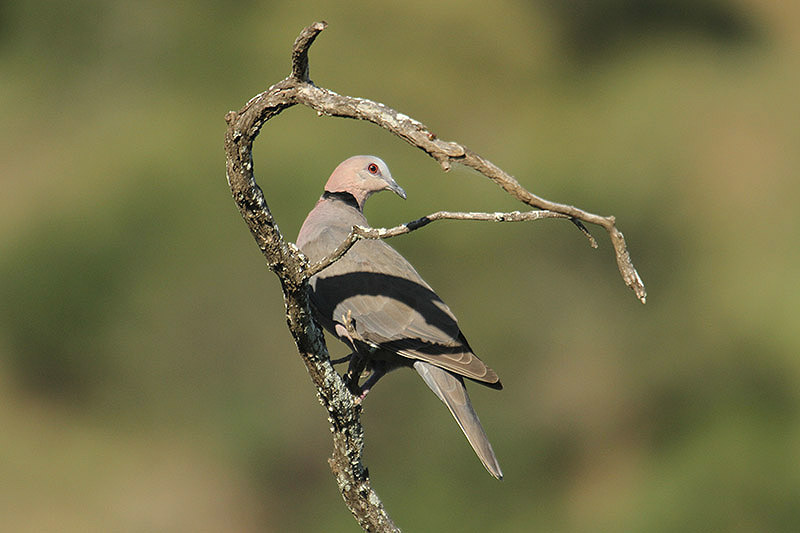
{"x": 147, "y": 378}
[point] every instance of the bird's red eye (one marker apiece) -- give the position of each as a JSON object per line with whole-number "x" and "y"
{"x": 373, "y": 168}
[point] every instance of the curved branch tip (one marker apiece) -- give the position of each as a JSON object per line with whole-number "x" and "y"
{"x": 300, "y": 50}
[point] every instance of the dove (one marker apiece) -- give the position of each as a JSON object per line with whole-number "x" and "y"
{"x": 374, "y": 301}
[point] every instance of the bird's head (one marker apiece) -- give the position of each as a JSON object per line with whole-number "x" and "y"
{"x": 361, "y": 176}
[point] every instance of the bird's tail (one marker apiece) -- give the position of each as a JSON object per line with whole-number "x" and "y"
{"x": 451, "y": 390}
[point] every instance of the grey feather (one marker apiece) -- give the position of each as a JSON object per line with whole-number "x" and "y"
{"x": 451, "y": 390}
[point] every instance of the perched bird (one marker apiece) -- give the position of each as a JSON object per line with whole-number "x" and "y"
{"x": 374, "y": 301}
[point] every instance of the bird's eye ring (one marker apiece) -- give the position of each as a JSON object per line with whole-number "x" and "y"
{"x": 373, "y": 168}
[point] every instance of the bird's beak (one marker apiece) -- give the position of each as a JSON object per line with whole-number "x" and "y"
{"x": 395, "y": 188}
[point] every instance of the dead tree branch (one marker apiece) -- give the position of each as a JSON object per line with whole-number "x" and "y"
{"x": 293, "y": 270}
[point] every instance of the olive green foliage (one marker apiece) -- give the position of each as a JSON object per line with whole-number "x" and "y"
{"x": 147, "y": 378}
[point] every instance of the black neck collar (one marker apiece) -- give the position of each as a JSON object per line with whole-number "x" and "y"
{"x": 345, "y": 197}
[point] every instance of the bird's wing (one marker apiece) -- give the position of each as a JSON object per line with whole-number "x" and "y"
{"x": 393, "y": 308}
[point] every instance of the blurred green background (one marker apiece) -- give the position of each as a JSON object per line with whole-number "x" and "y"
{"x": 147, "y": 378}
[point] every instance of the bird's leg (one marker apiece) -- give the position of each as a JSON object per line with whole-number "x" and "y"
{"x": 376, "y": 374}
{"x": 354, "y": 370}
{"x": 342, "y": 360}
{"x": 347, "y": 331}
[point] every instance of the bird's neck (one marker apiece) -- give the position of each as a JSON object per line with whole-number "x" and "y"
{"x": 345, "y": 197}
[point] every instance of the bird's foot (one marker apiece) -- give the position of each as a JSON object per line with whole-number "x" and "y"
{"x": 373, "y": 378}
{"x": 358, "y": 391}
{"x": 363, "y": 394}
{"x": 360, "y": 394}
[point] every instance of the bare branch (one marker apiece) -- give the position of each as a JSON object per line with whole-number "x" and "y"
{"x": 361, "y": 232}
{"x": 293, "y": 270}
{"x": 329, "y": 103}
{"x": 344, "y": 415}
{"x": 300, "y": 50}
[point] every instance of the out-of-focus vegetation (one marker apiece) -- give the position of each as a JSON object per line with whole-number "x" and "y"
{"x": 147, "y": 379}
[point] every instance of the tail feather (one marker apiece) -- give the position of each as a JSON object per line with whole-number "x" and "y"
{"x": 451, "y": 390}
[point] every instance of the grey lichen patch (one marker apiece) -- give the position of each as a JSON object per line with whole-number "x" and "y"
{"x": 414, "y": 122}
{"x": 373, "y": 499}
{"x": 450, "y": 148}
{"x": 296, "y": 251}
